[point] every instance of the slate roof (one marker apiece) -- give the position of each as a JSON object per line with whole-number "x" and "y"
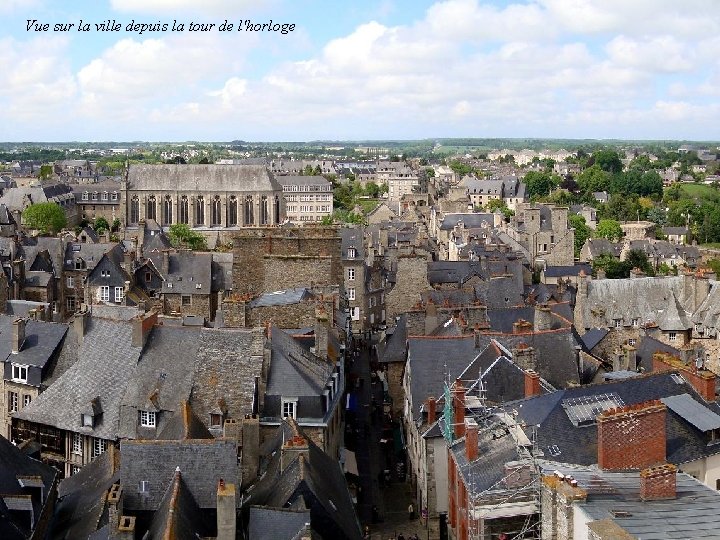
{"x": 184, "y": 425}
{"x": 708, "y": 313}
{"x": 178, "y": 517}
{"x": 352, "y": 237}
{"x": 42, "y": 340}
{"x": 675, "y": 231}
{"x": 31, "y": 247}
{"x": 90, "y": 253}
{"x": 276, "y": 523}
{"x": 302, "y": 180}
{"x": 189, "y": 272}
{"x": 469, "y": 220}
{"x": 393, "y": 348}
{"x": 202, "y": 463}
{"x": 689, "y": 515}
{"x": 674, "y": 317}
{"x": 598, "y": 246}
{"x": 282, "y": 298}
{"x": 106, "y": 360}
{"x": 563, "y": 271}
{"x": 647, "y": 347}
{"x": 592, "y": 337}
{"x": 81, "y": 498}
{"x": 201, "y": 177}
{"x": 578, "y": 445}
{"x": 14, "y": 463}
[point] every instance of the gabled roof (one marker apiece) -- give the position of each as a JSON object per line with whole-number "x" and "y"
{"x": 184, "y": 425}
{"x": 178, "y": 517}
{"x": 213, "y": 177}
{"x": 393, "y": 348}
{"x": 16, "y": 470}
{"x": 42, "y": 340}
{"x": 674, "y": 317}
{"x": 276, "y": 523}
{"x": 593, "y": 336}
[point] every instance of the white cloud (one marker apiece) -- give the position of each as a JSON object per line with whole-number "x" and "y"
{"x": 6, "y": 6}
{"x": 205, "y": 7}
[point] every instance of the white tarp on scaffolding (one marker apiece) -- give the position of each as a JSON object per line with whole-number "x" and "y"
{"x": 349, "y": 462}
{"x": 504, "y": 510}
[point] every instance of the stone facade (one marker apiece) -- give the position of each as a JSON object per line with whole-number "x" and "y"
{"x": 411, "y": 280}
{"x": 308, "y": 198}
{"x": 269, "y": 259}
{"x": 202, "y": 196}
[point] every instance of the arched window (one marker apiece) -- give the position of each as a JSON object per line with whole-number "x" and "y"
{"x": 151, "y": 210}
{"x": 199, "y": 211}
{"x": 264, "y": 210}
{"x": 233, "y": 212}
{"x": 249, "y": 214}
{"x": 183, "y": 211}
{"x": 277, "y": 209}
{"x": 216, "y": 211}
{"x": 167, "y": 210}
{"x": 135, "y": 210}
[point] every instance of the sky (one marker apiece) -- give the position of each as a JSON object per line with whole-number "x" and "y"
{"x": 359, "y": 70}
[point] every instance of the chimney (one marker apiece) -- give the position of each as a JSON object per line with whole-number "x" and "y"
{"x": 522, "y": 326}
{"x": 250, "y": 459}
{"x": 524, "y": 357}
{"x": 630, "y": 361}
{"x": 165, "y": 263}
{"x": 471, "y": 439}
{"x": 142, "y": 325}
{"x": 226, "y": 515}
{"x": 120, "y": 527}
{"x": 430, "y": 408}
{"x": 532, "y": 383}
{"x": 18, "y": 266}
{"x": 431, "y": 317}
{"x": 702, "y": 380}
{"x": 128, "y": 262}
{"x": 291, "y": 449}
{"x": 80, "y": 324}
{"x": 658, "y": 483}
{"x": 321, "y": 332}
{"x": 632, "y": 437}
{"x": 543, "y": 318}
{"x": 458, "y": 397}
{"x": 18, "y": 335}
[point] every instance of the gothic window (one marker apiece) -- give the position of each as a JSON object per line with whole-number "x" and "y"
{"x": 233, "y": 212}
{"x": 151, "y": 210}
{"x": 183, "y": 211}
{"x": 277, "y": 209}
{"x": 199, "y": 211}
{"x": 167, "y": 210}
{"x": 249, "y": 214}
{"x": 216, "y": 211}
{"x": 264, "y": 210}
{"x": 135, "y": 210}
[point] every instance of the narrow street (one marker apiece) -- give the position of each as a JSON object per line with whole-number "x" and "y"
{"x": 364, "y": 432}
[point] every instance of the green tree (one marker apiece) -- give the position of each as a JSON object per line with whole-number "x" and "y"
{"x": 582, "y": 231}
{"x": 116, "y": 224}
{"x": 608, "y": 161}
{"x": 181, "y": 235}
{"x": 101, "y": 225}
{"x": 48, "y": 218}
{"x": 594, "y": 179}
{"x": 610, "y": 229}
{"x": 638, "y": 259}
{"x": 460, "y": 168}
{"x": 538, "y": 184}
{"x": 46, "y": 171}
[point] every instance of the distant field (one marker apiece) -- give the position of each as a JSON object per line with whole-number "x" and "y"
{"x": 368, "y": 205}
{"x": 711, "y": 245}
{"x": 700, "y": 191}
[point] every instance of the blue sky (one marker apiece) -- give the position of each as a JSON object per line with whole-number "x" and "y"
{"x": 382, "y": 69}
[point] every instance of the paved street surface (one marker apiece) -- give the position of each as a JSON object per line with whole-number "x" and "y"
{"x": 363, "y": 435}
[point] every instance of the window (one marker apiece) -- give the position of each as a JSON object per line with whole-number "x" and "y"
{"x": 74, "y": 469}
{"x": 151, "y": 208}
{"x": 632, "y": 342}
{"x": 104, "y": 293}
{"x": 147, "y": 419}
{"x": 264, "y": 211}
{"x": 114, "y": 196}
{"x": 70, "y": 282}
{"x": 672, "y": 336}
{"x": 216, "y": 214}
{"x": 12, "y": 401}
{"x": 95, "y": 196}
{"x": 183, "y": 211}
{"x": 355, "y": 314}
{"x": 87, "y": 420}
{"x": 200, "y": 211}
{"x": 85, "y": 196}
{"x": 167, "y": 210}
{"x": 351, "y": 274}
{"x": 351, "y": 253}
{"x": 216, "y": 420}
{"x": 79, "y": 263}
{"x": 119, "y": 294}
{"x": 233, "y": 212}
{"x": 148, "y": 277}
{"x": 248, "y": 216}
{"x": 99, "y": 447}
{"x": 373, "y": 301}
{"x": 186, "y": 300}
{"x": 636, "y": 322}
{"x": 70, "y": 303}
{"x": 104, "y": 195}
{"x": 134, "y": 210}
{"x": 27, "y": 398}
{"x": 618, "y": 323}
{"x": 77, "y": 443}
{"x": 19, "y": 373}
{"x": 289, "y": 407}
{"x": 351, "y": 293}
{"x": 143, "y": 486}
{"x": 104, "y": 273}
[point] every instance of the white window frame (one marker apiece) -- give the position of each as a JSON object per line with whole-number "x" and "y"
{"x": 148, "y": 419}
{"x": 99, "y": 447}
{"x": 618, "y": 323}
{"x": 355, "y": 313}
{"x": 87, "y": 420}
{"x": 352, "y": 253}
{"x": 27, "y": 399}
{"x": 19, "y": 373}
{"x": 119, "y": 294}
{"x": 70, "y": 282}
{"x": 351, "y": 274}
{"x": 13, "y": 401}
{"x": 104, "y": 293}
{"x": 70, "y": 303}
{"x": 288, "y": 407}
{"x": 672, "y": 336}
{"x": 77, "y": 444}
{"x": 85, "y": 196}
{"x": 636, "y": 322}
{"x": 351, "y": 293}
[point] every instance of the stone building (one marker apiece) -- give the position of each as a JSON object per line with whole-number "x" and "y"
{"x": 308, "y": 198}
{"x": 97, "y": 200}
{"x": 202, "y": 196}
{"x": 544, "y": 232}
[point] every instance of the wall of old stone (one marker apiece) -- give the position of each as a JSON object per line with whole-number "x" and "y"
{"x": 411, "y": 280}
{"x": 394, "y": 376}
{"x": 201, "y": 305}
{"x": 271, "y": 259}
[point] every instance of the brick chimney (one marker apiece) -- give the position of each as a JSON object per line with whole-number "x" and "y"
{"x": 226, "y": 520}
{"x": 142, "y": 325}
{"x": 532, "y": 383}
{"x": 632, "y": 437}
{"x": 291, "y": 450}
{"x": 458, "y": 397}
{"x": 543, "y": 318}
{"x": 701, "y": 379}
{"x": 430, "y": 408}
{"x": 471, "y": 439}
{"x": 80, "y": 321}
{"x": 658, "y": 483}
{"x": 18, "y": 335}
{"x": 165, "y": 263}
{"x": 120, "y": 527}
{"x": 522, "y": 326}
{"x": 524, "y": 357}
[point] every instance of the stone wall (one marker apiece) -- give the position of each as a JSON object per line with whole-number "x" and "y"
{"x": 411, "y": 280}
{"x": 201, "y": 305}
{"x": 271, "y": 259}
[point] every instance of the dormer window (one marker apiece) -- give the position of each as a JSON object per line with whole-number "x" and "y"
{"x": 216, "y": 420}
{"x": 289, "y": 407}
{"x": 79, "y": 264}
{"x": 352, "y": 253}
{"x": 88, "y": 421}
{"x": 19, "y": 373}
{"x": 84, "y": 195}
{"x": 114, "y": 196}
{"x": 148, "y": 419}
{"x": 105, "y": 196}
{"x": 95, "y": 196}
{"x": 636, "y": 322}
